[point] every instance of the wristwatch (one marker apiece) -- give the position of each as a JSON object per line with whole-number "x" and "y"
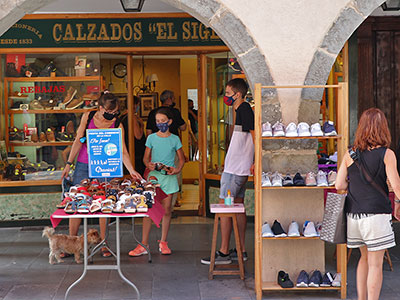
{"x": 397, "y": 200}
{"x": 69, "y": 163}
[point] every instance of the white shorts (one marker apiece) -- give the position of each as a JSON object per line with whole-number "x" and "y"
{"x": 372, "y": 230}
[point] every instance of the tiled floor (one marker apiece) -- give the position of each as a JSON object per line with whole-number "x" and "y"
{"x": 26, "y": 274}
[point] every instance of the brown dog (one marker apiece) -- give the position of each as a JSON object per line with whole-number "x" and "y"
{"x": 69, "y": 244}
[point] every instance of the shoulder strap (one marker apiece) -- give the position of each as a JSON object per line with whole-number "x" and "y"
{"x": 354, "y": 155}
{"x": 117, "y": 122}
{"x": 90, "y": 117}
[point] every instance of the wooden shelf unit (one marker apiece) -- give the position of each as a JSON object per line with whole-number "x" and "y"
{"x": 297, "y": 203}
{"x": 333, "y": 137}
{"x": 39, "y": 144}
{"x": 50, "y": 111}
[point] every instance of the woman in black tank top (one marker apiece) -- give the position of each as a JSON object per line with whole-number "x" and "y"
{"x": 369, "y": 211}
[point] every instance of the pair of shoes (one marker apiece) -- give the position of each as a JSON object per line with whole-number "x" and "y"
{"x": 275, "y": 231}
{"x": 105, "y": 252}
{"x": 220, "y": 259}
{"x": 138, "y": 251}
{"x": 234, "y": 256}
{"x": 316, "y": 279}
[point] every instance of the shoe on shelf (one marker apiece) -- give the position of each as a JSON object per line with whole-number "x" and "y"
{"x": 42, "y": 137}
{"x": 318, "y": 228}
{"x": 287, "y": 180}
{"x": 333, "y": 157}
{"x": 278, "y": 230}
{"x": 50, "y": 135}
{"x": 315, "y": 279}
{"x": 321, "y": 178}
{"x": 329, "y": 128}
{"x": 316, "y": 130}
{"x": 34, "y": 138}
{"x": 309, "y": 229}
{"x": 220, "y": 259}
{"x": 303, "y": 129}
{"x": 284, "y": 280}
{"x": 71, "y": 92}
{"x": 310, "y": 179}
{"x": 303, "y": 279}
{"x": 266, "y": 129}
{"x": 298, "y": 180}
{"x": 278, "y": 129}
{"x": 138, "y": 251}
{"x": 337, "y": 280}
{"x": 266, "y": 230}
{"x": 294, "y": 229}
{"x": 265, "y": 180}
{"x": 276, "y": 179}
{"x": 163, "y": 248}
{"x": 234, "y": 256}
{"x": 35, "y": 104}
{"x": 63, "y": 137}
{"x": 332, "y": 178}
{"x": 75, "y": 103}
{"x": 291, "y": 130}
{"x": 327, "y": 279}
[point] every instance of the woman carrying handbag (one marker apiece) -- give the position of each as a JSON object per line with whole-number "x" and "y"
{"x": 364, "y": 172}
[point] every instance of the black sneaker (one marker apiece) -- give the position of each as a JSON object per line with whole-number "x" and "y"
{"x": 327, "y": 279}
{"x": 284, "y": 280}
{"x": 303, "y": 279}
{"x": 287, "y": 180}
{"x": 220, "y": 259}
{"x": 63, "y": 137}
{"x": 315, "y": 279}
{"x": 233, "y": 255}
{"x": 278, "y": 230}
{"x": 298, "y": 180}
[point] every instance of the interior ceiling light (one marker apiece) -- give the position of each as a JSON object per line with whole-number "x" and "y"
{"x": 391, "y": 5}
{"x": 132, "y": 5}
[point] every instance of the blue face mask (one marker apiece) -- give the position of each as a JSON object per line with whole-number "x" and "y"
{"x": 137, "y": 109}
{"x": 163, "y": 127}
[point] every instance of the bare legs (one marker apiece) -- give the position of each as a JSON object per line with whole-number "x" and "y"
{"x": 226, "y": 229}
{"x": 74, "y": 227}
{"x": 369, "y": 274}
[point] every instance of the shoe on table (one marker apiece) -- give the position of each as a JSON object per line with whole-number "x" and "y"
{"x": 220, "y": 259}
{"x": 298, "y": 180}
{"x": 321, "y": 178}
{"x": 316, "y": 130}
{"x": 278, "y": 230}
{"x": 278, "y": 129}
{"x": 315, "y": 279}
{"x": 309, "y": 229}
{"x": 284, "y": 280}
{"x": 310, "y": 179}
{"x": 327, "y": 279}
{"x": 303, "y": 279}
{"x": 291, "y": 130}
{"x": 266, "y": 230}
{"x": 138, "y": 251}
{"x": 287, "y": 180}
{"x": 163, "y": 248}
{"x": 303, "y": 129}
{"x": 337, "y": 280}
{"x": 294, "y": 229}
{"x": 266, "y": 129}
{"x": 234, "y": 256}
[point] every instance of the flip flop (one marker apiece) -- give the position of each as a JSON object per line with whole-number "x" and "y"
{"x": 71, "y": 207}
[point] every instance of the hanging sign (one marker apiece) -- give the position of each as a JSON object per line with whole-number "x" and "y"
{"x": 105, "y": 152}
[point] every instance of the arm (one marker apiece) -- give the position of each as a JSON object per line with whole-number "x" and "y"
{"x": 181, "y": 157}
{"x": 126, "y": 159}
{"x": 393, "y": 176}
{"x": 341, "y": 179}
{"x": 252, "y": 166}
{"x": 137, "y": 127}
{"x": 193, "y": 114}
{"x": 146, "y": 159}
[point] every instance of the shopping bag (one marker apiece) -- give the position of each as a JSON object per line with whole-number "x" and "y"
{"x": 334, "y": 227}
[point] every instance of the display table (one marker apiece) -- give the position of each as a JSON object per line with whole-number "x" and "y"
{"x": 154, "y": 213}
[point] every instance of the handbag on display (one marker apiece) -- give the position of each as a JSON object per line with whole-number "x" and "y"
{"x": 334, "y": 223}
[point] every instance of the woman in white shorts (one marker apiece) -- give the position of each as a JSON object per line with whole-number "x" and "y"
{"x": 368, "y": 208}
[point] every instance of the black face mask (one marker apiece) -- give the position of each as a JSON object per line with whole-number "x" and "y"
{"x": 172, "y": 104}
{"x": 109, "y": 116}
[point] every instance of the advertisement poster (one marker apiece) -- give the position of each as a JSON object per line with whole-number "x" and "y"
{"x": 105, "y": 152}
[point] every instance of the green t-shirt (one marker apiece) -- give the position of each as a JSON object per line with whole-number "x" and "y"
{"x": 163, "y": 149}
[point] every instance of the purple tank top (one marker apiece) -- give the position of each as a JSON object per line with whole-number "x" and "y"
{"x": 83, "y": 153}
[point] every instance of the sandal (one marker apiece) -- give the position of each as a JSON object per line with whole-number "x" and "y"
{"x": 141, "y": 206}
{"x": 107, "y": 206}
{"x": 163, "y": 248}
{"x": 130, "y": 206}
{"x": 64, "y": 203}
{"x": 83, "y": 206}
{"x": 95, "y": 206}
{"x": 85, "y": 182}
{"x": 105, "y": 252}
{"x": 71, "y": 207}
{"x": 119, "y": 207}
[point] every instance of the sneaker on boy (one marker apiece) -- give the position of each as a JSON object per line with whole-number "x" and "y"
{"x": 220, "y": 259}
{"x": 234, "y": 256}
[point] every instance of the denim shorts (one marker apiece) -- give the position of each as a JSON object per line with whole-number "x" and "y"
{"x": 235, "y": 183}
{"x": 81, "y": 172}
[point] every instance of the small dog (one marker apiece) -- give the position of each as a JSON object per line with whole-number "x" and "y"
{"x": 69, "y": 244}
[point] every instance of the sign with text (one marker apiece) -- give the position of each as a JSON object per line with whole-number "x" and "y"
{"x": 113, "y": 32}
{"x": 105, "y": 152}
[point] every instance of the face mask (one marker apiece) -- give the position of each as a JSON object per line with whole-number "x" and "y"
{"x": 109, "y": 116}
{"x": 228, "y": 100}
{"x": 163, "y": 127}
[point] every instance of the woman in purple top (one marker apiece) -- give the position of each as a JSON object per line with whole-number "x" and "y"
{"x": 105, "y": 117}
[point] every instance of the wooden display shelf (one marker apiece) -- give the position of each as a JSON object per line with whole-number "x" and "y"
{"x": 52, "y": 79}
{"x": 50, "y": 111}
{"x": 6, "y": 183}
{"x": 292, "y": 238}
{"x": 302, "y": 137}
{"x": 297, "y": 187}
{"x": 39, "y": 144}
{"x": 273, "y": 286}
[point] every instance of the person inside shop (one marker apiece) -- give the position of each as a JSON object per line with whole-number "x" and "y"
{"x": 193, "y": 119}
{"x": 106, "y": 116}
{"x": 239, "y": 164}
{"x": 162, "y": 147}
{"x": 363, "y": 172}
{"x": 138, "y": 131}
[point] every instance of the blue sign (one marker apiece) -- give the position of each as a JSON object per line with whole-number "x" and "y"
{"x": 105, "y": 152}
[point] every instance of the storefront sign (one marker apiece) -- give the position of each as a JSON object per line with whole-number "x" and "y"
{"x": 129, "y": 32}
{"x": 105, "y": 152}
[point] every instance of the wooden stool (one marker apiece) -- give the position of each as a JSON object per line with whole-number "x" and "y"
{"x": 226, "y": 269}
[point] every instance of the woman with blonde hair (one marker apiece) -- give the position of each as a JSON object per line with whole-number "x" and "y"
{"x": 364, "y": 172}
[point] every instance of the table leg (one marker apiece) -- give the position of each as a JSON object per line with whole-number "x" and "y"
{"x": 117, "y": 237}
{"x": 140, "y": 243}
{"x": 101, "y": 244}
{"x": 85, "y": 259}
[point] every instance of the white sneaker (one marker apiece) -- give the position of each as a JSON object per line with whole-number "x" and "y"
{"x": 333, "y": 157}
{"x": 309, "y": 229}
{"x": 293, "y": 229}
{"x": 337, "y": 280}
{"x": 291, "y": 130}
{"x": 316, "y": 130}
{"x": 266, "y": 129}
{"x": 265, "y": 180}
{"x": 276, "y": 179}
{"x": 332, "y": 178}
{"x": 266, "y": 230}
{"x": 278, "y": 129}
{"x": 321, "y": 178}
{"x": 310, "y": 179}
{"x": 303, "y": 129}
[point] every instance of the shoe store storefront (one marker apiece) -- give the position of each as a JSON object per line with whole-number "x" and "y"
{"x": 55, "y": 66}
